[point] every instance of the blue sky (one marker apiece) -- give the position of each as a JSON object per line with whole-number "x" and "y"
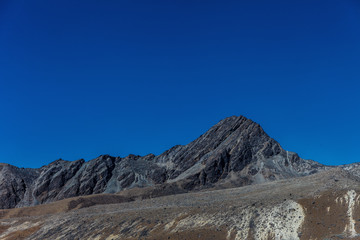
{"x": 83, "y": 78}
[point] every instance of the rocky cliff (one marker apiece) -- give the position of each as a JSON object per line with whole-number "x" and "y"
{"x": 234, "y": 152}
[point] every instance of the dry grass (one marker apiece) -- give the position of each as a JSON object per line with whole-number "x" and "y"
{"x": 63, "y": 206}
{"x": 22, "y": 234}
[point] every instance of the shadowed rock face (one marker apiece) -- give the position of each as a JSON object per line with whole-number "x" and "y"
{"x": 234, "y": 152}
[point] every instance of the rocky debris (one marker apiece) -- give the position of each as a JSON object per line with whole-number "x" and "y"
{"x": 309, "y": 207}
{"x": 234, "y": 152}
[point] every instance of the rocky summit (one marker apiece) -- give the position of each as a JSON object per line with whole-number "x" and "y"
{"x": 234, "y": 152}
{"x": 234, "y": 182}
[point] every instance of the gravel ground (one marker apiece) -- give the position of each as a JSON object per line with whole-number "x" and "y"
{"x": 300, "y": 208}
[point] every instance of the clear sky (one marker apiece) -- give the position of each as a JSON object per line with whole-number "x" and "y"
{"x": 83, "y": 78}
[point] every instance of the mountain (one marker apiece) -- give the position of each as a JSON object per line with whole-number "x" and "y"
{"x": 234, "y": 152}
{"x": 234, "y": 182}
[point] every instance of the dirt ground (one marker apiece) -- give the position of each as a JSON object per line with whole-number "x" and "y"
{"x": 320, "y": 206}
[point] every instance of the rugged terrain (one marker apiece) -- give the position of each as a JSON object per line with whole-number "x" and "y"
{"x": 324, "y": 205}
{"x": 234, "y": 152}
{"x": 233, "y": 182}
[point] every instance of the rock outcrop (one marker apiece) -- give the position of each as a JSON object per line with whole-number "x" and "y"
{"x": 234, "y": 152}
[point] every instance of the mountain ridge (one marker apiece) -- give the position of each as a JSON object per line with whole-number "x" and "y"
{"x": 234, "y": 152}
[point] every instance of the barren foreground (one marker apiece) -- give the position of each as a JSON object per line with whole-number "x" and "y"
{"x": 320, "y": 206}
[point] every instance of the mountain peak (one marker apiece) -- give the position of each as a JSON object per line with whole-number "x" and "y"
{"x": 234, "y": 152}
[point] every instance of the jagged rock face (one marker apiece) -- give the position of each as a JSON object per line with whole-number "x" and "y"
{"x": 52, "y": 179}
{"x": 15, "y": 185}
{"x": 234, "y": 152}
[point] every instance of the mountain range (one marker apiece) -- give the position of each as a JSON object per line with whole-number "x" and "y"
{"x": 234, "y": 152}
{"x": 235, "y": 160}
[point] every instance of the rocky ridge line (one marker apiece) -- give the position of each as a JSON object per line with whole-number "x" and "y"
{"x": 234, "y": 152}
